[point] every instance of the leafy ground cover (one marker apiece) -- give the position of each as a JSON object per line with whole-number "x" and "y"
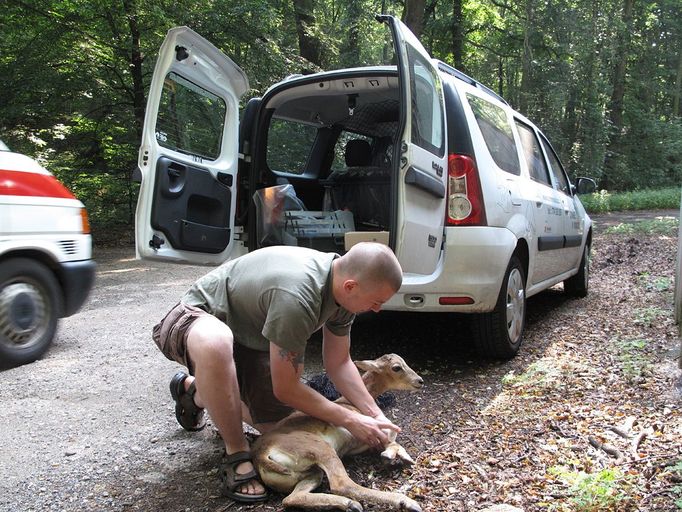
{"x": 587, "y": 417}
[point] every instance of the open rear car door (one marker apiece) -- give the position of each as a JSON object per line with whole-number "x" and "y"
{"x": 422, "y": 161}
{"x": 189, "y": 151}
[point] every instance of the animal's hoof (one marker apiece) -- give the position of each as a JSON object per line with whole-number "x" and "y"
{"x": 406, "y": 460}
{"x": 410, "y": 505}
{"x": 354, "y": 506}
{"x": 397, "y": 460}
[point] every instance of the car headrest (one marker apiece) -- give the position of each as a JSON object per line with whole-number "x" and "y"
{"x": 358, "y": 153}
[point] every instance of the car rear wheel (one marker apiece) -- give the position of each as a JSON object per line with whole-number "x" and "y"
{"x": 577, "y": 285}
{"x": 30, "y": 304}
{"x": 499, "y": 333}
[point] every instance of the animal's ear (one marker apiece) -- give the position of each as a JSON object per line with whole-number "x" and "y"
{"x": 366, "y": 365}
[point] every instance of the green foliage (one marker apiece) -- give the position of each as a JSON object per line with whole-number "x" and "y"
{"x": 604, "y": 491}
{"x": 653, "y": 283}
{"x": 540, "y": 376}
{"x": 604, "y": 201}
{"x": 75, "y": 73}
{"x": 676, "y": 470}
{"x": 633, "y": 358}
{"x": 648, "y": 316}
{"x": 660, "y": 225}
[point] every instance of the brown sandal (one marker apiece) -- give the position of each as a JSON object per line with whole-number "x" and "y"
{"x": 190, "y": 417}
{"x": 232, "y": 480}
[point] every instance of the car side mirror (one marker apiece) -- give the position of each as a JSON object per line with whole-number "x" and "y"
{"x": 584, "y": 185}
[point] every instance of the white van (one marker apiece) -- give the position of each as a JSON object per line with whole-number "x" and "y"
{"x": 46, "y": 266}
{"x": 467, "y": 192}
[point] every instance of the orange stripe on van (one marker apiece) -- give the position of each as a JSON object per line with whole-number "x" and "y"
{"x": 19, "y": 183}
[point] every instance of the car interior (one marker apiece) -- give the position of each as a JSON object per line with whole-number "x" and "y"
{"x": 329, "y": 153}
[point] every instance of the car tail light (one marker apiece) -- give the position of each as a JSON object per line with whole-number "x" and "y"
{"x": 85, "y": 223}
{"x": 465, "y": 199}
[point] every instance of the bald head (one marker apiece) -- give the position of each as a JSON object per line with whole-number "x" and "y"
{"x": 371, "y": 263}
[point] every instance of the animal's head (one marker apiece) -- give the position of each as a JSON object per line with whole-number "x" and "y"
{"x": 388, "y": 372}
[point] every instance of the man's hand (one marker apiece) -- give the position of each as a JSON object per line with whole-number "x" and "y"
{"x": 375, "y": 432}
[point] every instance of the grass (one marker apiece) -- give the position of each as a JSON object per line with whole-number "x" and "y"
{"x": 653, "y": 283}
{"x": 604, "y": 201}
{"x": 607, "y": 490}
{"x": 543, "y": 374}
{"x": 633, "y": 357}
{"x": 659, "y": 225}
{"x": 649, "y": 316}
{"x": 676, "y": 470}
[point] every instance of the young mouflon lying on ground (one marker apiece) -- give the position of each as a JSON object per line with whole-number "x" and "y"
{"x": 294, "y": 456}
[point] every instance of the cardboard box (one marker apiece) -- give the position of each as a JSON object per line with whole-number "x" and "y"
{"x": 353, "y": 237}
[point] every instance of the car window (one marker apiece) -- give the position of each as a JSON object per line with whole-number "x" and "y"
{"x": 555, "y": 167}
{"x": 427, "y": 108}
{"x": 533, "y": 154}
{"x": 289, "y": 146}
{"x": 497, "y": 133}
{"x": 191, "y": 119}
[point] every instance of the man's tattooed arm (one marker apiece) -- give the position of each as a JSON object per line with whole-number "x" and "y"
{"x": 293, "y": 357}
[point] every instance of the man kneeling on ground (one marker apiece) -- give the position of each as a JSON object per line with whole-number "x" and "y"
{"x": 241, "y": 330}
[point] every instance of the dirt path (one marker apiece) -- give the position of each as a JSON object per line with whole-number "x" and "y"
{"x": 91, "y": 427}
{"x": 606, "y": 220}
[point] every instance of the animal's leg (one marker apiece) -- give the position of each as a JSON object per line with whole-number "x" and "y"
{"x": 396, "y": 454}
{"x": 303, "y": 497}
{"x": 341, "y": 483}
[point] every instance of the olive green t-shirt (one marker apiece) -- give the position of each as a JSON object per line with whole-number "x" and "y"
{"x": 278, "y": 294}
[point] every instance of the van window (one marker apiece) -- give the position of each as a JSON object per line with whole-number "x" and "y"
{"x": 289, "y": 146}
{"x": 191, "y": 119}
{"x": 531, "y": 150}
{"x": 497, "y": 133}
{"x": 427, "y": 106}
{"x": 555, "y": 167}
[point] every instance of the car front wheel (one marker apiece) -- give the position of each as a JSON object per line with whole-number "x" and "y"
{"x": 499, "y": 333}
{"x": 30, "y": 304}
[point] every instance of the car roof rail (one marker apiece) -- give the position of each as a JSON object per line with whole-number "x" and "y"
{"x": 471, "y": 81}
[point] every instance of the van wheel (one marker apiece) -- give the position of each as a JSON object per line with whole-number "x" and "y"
{"x": 30, "y": 305}
{"x": 498, "y": 334}
{"x": 577, "y": 285}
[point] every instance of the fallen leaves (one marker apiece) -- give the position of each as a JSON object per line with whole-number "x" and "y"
{"x": 585, "y": 416}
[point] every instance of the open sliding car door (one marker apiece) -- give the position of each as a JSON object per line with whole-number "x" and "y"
{"x": 422, "y": 164}
{"x": 188, "y": 157}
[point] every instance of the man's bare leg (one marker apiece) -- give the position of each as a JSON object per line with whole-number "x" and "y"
{"x": 209, "y": 344}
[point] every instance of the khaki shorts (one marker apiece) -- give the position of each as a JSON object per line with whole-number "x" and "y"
{"x": 253, "y": 366}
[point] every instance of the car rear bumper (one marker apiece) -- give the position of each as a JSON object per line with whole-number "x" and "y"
{"x": 473, "y": 264}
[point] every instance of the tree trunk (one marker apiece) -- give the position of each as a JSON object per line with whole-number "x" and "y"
{"x": 139, "y": 101}
{"x": 354, "y": 17}
{"x": 136, "y": 59}
{"x": 458, "y": 34}
{"x": 570, "y": 119}
{"x": 414, "y": 16}
{"x": 678, "y": 287}
{"x": 618, "y": 93}
{"x": 620, "y": 67}
{"x": 678, "y": 89}
{"x": 308, "y": 43}
{"x": 527, "y": 59}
